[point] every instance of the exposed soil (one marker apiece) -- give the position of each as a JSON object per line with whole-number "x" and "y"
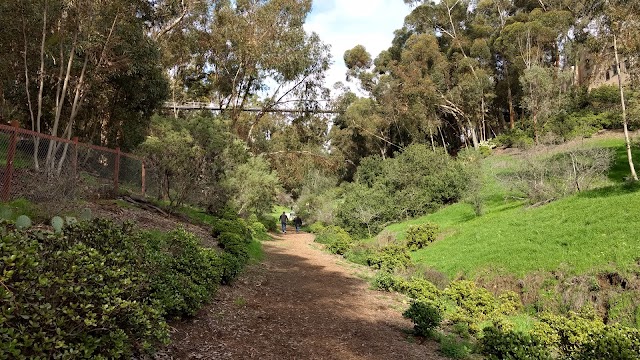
{"x": 299, "y": 303}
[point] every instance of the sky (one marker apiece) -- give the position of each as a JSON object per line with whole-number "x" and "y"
{"x": 344, "y": 24}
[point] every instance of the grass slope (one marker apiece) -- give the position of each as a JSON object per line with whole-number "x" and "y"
{"x": 594, "y": 230}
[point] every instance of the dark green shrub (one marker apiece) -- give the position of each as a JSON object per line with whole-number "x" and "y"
{"x": 236, "y": 226}
{"x": 231, "y": 267}
{"x": 419, "y": 236}
{"x": 390, "y": 257}
{"x": 234, "y": 244}
{"x": 425, "y": 317}
{"x": 497, "y": 344}
{"x": 84, "y": 294}
{"x": 185, "y": 276}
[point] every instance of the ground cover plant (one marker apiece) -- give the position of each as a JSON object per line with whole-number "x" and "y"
{"x": 96, "y": 289}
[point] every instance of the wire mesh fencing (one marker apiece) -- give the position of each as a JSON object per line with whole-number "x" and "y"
{"x": 43, "y": 168}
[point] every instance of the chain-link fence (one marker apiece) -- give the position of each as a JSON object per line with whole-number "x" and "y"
{"x": 43, "y": 168}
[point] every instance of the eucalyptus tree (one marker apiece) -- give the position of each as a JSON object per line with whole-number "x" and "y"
{"x": 253, "y": 48}
{"x": 73, "y": 54}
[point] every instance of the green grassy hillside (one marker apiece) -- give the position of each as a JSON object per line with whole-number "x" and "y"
{"x": 590, "y": 231}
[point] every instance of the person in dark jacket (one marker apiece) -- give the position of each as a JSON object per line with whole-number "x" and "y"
{"x": 283, "y": 222}
{"x": 297, "y": 221}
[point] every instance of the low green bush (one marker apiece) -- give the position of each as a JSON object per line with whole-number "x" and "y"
{"x": 474, "y": 304}
{"x": 236, "y": 226}
{"x": 453, "y": 348}
{"x": 337, "y": 240}
{"x": 419, "y": 236}
{"x": 316, "y": 227}
{"x": 185, "y": 275}
{"x": 390, "y": 257}
{"x": 499, "y": 344}
{"x": 421, "y": 290}
{"x": 83, "y": 294}
{"x": 388, "y": 282}
{"x": 234, "y": 244}
{"x": 257, "y": 229}
{"x": 584, "y": 336}
{"x": 425, "y": 317}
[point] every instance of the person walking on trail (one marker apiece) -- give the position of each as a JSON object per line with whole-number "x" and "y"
{"x": 297, "y": 221}
{"x": 283, "y": 222}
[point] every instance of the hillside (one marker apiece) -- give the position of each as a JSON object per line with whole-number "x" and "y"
{"x": 588, "y": 232}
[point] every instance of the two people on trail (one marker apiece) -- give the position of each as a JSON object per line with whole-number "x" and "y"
{"x": 297, "y": 222}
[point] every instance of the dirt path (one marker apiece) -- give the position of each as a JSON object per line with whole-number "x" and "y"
{"x": 299, "y": 303}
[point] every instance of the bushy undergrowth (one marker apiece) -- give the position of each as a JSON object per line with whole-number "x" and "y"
{"x": 390, "y": 257}
{"x": 337, "y": 240}
{"x": 413, "y": 183}
{"x": 425, "y": 317}
{"x": 101, "y": 290}
{"x": 419, "y": 236}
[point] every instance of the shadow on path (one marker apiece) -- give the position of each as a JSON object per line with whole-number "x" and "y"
{"x": 300, "y": 303}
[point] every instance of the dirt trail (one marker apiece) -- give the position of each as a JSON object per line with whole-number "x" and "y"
{"x": 299, "y": 303}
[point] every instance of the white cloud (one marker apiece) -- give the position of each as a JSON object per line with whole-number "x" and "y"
{"x": 346, "y": 23}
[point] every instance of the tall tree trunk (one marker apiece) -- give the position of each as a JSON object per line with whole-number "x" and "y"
{"x": 512, "y": 114}
{"x": 627, "y": 140}
{"x": 483, "y": 133}
{"x": 433, "y": 145}
{"x": 444, "y": 144}
{"x": 474, "y": 136}
{"x": 36, "y": 140}
{"x": 535, "y": 127}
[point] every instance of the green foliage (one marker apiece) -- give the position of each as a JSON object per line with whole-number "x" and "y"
{"x": 84, "y": 294}
{"x": 254, "y": 186}
{"x": 499, "y": 344}
{"x": 388, "y": 282}
{"x": 235, "y": 225}
{"x": 419, "y": 236}
{"x": 193, "y": 156}
{"x": 514, "y": 138}
{"x": 390, "y": 258}
{"x": 416, "y": 181}
{"x": 185, "y": 275}
{"x": 337, "y": 240}
{"x": 233, "y": 243}
{"x": 473, "y": 304}
{"x": 454, "y": 348}
{"x": 316, "y": 227}
{"x": 582, "y": 336}
{"x": 425, "y": 317}
{"x": 101, "y": 290}
{"x": 257, "y": 229}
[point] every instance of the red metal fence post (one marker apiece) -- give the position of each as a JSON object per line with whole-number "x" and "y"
{"x": 8, "y": 169}
{"x": 144, "y": 178}
{"x": 116, "y": 175}
{"x": 74, "y": 161}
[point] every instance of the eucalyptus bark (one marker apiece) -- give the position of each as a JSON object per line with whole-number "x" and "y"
{"x": 627, "y": 139}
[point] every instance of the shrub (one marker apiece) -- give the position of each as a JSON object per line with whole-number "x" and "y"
{"x": 233, "y": 244}
{"x": 316, "y": 227}
{"x": 498, "y": 344}
{"x": 425, "y": 317}
{"x": 236, "y": 226}
{"x": 81, "y": 294}
{"x": 390, "y": 257}
{"x": 185, "y": 276}
{"x": 257, "y": 229}
{"x": 419, "y": 236}
{"x": 337, "y": 240}
{"x": 474, "y": 304}
{"x": 421, "y": 290}
{"x": 388, "y": 282}
{"x": 231, "y": 267}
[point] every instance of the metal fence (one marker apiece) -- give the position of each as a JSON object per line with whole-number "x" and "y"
{"x": 44, "y": 168}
